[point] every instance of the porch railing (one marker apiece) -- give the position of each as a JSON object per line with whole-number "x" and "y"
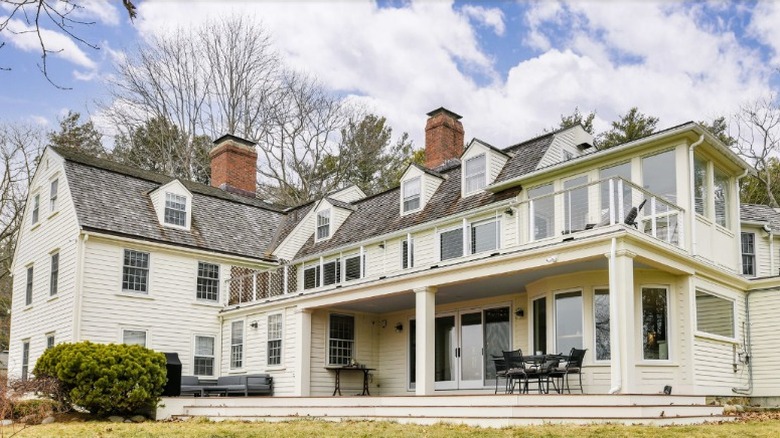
{"x": 247, "y": 285}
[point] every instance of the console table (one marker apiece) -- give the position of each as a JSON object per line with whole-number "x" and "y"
{"x": 339, "y": 368}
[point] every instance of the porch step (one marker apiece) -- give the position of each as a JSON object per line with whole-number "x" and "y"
{"x": 489, "y": 411}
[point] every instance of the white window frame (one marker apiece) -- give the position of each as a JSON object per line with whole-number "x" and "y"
{"x": 406, "y": 197}
{"x": 174, "y": 198}
{"x": 361, "y": 268}
{"x": 555, "y": 315}
{"x": 464, "y": 247}
{"x": 231, "y": 359}
{"x": 25, "y": 359}
{"x": 278, "y": 338}
{"x": 50, "y": 340}
{"x": 596, "y": 289}
{"x": 135, "y": 330}
{"x": 321, "y": 224}
{"x": 36, "y": 209}
{"x": 408, "y": 261}
{"x": 317, "y": 270}
{"x": 497, "y": 222}
{"x": 751, "y": 254}
{"x": 147, "y": 269}
{"x": 353, "y": 341}
{"x": 53, "y": 194}
{"x": 475, "y": 174}
{"x": 29, "y": 287}
{"x": 704, "y": 334}
{"x": 54, "y": 273}
{"x": 213, "y": 355}
{"x": 669, "y": 325}
{"x": 206, "y": 292}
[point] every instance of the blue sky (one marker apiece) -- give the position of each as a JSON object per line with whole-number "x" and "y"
{"x": 510, "y": 68}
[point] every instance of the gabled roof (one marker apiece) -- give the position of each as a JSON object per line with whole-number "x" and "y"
{"x": 525, "y": 157}
{"x": 114, "y": 199}
{"x": 760, "y": 213}
{"x": 486, "y": 144}
{"x": 340, "y": 204}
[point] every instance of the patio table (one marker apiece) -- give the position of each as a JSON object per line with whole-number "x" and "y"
{"x": 339, "y": 369}
{"x": 537, "y": 361}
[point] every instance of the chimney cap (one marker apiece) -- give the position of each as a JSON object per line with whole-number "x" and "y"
{"x": 441, "y": 109}
{"x": 238, "y": 140}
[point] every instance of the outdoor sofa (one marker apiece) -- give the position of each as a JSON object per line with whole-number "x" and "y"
{"x": 249, "y": 384}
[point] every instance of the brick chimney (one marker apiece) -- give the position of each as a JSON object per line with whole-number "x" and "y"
{"x": 443, "y": 137}
{"x": 234, "y": 165}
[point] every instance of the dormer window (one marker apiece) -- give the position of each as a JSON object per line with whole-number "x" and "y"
{"x": 412, "y": 195}
{"x": 175, "y": 210}
{"x": 474, "y": 173}
{"x": 323, "y": 224}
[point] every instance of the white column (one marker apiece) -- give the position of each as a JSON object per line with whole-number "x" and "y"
{"x": 425, "y": 313}
{"x": 623, "y": 324}
{"x": 303, "y": 352}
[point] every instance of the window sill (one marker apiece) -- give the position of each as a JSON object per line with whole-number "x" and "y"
{"x": 175, "y": 227}
{"x": 660, "y": 363}
{"x": 238, "y": 371}
{"x": 52, "y": 298}
{"x": 215, "y": 304}
{"x": 724, "y": 230}
{"x": 601, "y": 364}
{"x": 406, "y": 213}
{"x": 135, "y": 295}
{"x": 276, "y": 368}
{"x": 717, "y": 338}
{"x": 52, "y": 214}
{"x": 35, "y": 226}
{"x": 27, "y": 307}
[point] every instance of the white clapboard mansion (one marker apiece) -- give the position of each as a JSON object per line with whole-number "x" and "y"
{"x": 641, "y": 253}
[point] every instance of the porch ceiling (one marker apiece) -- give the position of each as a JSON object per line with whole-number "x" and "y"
{"x": 484, "y": 287}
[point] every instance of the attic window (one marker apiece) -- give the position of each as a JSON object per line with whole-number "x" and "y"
{"x": 475, "y": 174}
{"x": 412, "y": 195}
{"x": 175, "y": 210}
{"x": 323, "y": 224}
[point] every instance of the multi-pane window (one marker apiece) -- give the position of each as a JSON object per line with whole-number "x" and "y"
{"x": 203, "y": 360}
{"x": 54, "y": 274}
{"x": 451, "y": 244}
{"x": 601, "y": 323}
{"x": 714, "y": 315}
{"x": 474, "y": 173}
{"x": 208, "y": 281}
{"x": 25, "y": 359}
{"x": 543, "y": 211}
{"x": 352, "y": 269}
{"x": 275, "y": 339}
{"x": 407, "y": 253}
{"x": 721, "y": 196}
{"x": 700, "y": 185}
{"x": 175, "y": 209}
{"x": 36, "y": 208}
{"x": 237, "y": 344}
{"x": 331, "y": 272}
{"x": 50, "y": 341}
{"x": 311, "y": 277}
{"x": 323, "y": 224}
{"x": 135, "y": 271}
{"x": 53, "y": 189}
{"x": 28, "y": 296}
{"x": 411, "y": 194}
{"x": 484, "y": 236}
{"x": 748, "y": 254}
{"x": 134, "y": 337}
{"x": 568, "y": 321}
{"x": 655, "y": 324}
{"x": 341, "y": 339}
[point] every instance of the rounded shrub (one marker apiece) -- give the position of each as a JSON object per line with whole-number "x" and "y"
{"x": 106, "y": 378}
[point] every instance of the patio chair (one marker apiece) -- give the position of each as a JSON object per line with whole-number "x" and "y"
{"x": 500, "y": 365}
{"x": 632, "y": 215}
{"x": 515, "y": 370}
{"x": 573, "y": 366}
{"x": 544, "y": 372}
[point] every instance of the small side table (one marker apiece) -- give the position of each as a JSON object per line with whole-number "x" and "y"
{"x": 339, "y": 368}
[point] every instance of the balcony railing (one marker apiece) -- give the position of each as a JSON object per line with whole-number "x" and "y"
{"x": 574, "y": 212}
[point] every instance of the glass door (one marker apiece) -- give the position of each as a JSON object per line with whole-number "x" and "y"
{"x": 470, "y": 350}
{"x": 445, "y": 353}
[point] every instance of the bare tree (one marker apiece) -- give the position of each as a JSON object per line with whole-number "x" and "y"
{"x": 20, "y": 147}
{"x": 756, "y": 128}
{"x": 37, "y": 15}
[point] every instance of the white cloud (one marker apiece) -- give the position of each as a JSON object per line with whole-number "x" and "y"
{"x": 24, "y": 37}
{"x": 39, "y": 120}
{"x": 102, "y": 11}
{"x": 491, "y": 17}
{"x": 764, "y": 26}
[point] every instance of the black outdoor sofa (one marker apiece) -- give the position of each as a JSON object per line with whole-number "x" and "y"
{"x": 248, "y": 384}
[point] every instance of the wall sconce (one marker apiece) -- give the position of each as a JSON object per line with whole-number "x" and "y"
{"x": 399, "y": 327}
{"x": 253, "y": 324}
{"x": 382, "y": 245}
{"x": 519, "y": 312}
{"x": 383, "y": 323}
{"x": 509, "y": 212}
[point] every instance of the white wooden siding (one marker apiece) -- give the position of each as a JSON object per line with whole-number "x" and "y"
{"x": 297, "y": 238}
{"x": 349, "y": 194}
{"x": 158, "y": 200}
{"x": 56, "y": 230}
{"x": 764, "y": 311}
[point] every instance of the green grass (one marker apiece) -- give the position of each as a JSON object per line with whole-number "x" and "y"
{"x": 321, "y": 429}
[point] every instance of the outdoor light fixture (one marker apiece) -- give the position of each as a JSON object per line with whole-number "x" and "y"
{"x": 509, "y": 212}
{"x": 399, "y": 327}
{"x": 519, "y": 312}
{"x": 253, "y": 324}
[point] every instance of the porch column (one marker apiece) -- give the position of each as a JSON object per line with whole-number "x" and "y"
{"x": 622, "y": 322}
{"x": 425, "y": 314}
{"x": 303, "y": 349}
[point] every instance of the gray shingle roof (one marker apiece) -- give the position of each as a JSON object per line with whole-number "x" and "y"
{"x": 760, "y": 213}
{"x": 115, "y": 199}
{"x": 525, "y": 157}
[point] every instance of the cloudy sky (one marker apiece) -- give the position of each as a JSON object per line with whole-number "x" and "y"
{"x": 509, "y": 68}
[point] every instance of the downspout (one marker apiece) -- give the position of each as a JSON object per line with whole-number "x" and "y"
{"x": 81, "y": 249}
{"x": 748, "y": 350}
{"x": 691, "y": 170}
{"x": 614, "y": 344}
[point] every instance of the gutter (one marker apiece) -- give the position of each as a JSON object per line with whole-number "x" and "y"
{"x": 694, "y": 250}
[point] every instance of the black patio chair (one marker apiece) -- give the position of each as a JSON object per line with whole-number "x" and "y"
{"x": 544, "y": 371}
{"x": 632, "y": 215}
{"x": 573, "y": 366}
{"x": 500, "y": 365}
{"x": 515, "y": 371}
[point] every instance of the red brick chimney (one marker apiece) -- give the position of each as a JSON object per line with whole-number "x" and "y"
{"x": 234, "y": 165}
{"x": 443, "y": 137}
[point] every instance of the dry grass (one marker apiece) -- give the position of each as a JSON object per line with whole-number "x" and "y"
{"x": 755, "y": 426}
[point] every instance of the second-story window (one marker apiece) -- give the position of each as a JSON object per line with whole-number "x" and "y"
{"x": 55, "y": 274}
{"x": 311, "y": 276}
{"x": 175, "y": 210}
{"x": 53, "y": 189}
{"x": 474, "y": 174}
{"x": 208, "y": 282}
{"x": 331, "y": 272}
{"x": 748, "y": 254}
{"x": 721, "y": 197}
{"x": 352, "y": 267}
{"x": 407, "y": 253}
{"x": 412, "y": 194}
{"x": 135, "y": 271}
{"x": 323, "y": 224}
{"x": 36, "y": 208}
{"x": 451, "y": 244}
{"x": 484, "y": 236}
{"x": 28, "y": 296}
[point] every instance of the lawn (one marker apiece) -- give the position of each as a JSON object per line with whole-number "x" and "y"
{"x": 756, "y": 426}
